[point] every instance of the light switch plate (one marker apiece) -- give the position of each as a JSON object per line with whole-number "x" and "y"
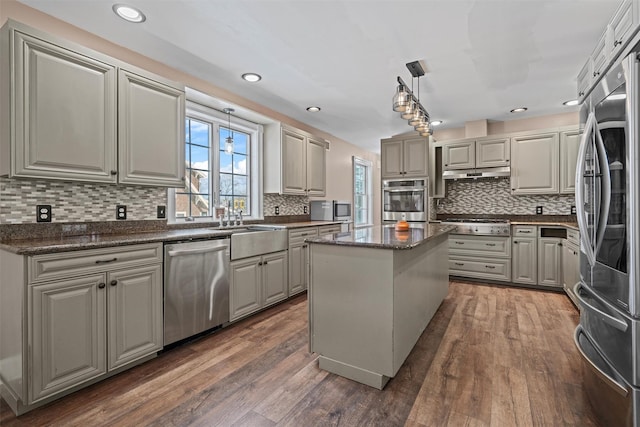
{"x": 43, "y": 213}
{"x": 162, "y": 211}
{"x": 121, "y": 212}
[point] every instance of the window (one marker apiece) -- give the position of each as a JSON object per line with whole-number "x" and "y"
{"x": 362, "y": 192}
{"x": 213, "y": 177}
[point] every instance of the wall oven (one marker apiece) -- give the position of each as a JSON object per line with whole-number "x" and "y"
{"x": 406, "y": 198}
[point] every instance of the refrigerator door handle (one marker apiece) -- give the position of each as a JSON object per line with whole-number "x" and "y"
{"x": 580, "y": 210}
{"x": 607, "y": 318}
{"x": 619, "y": 388}
{"x": 605, "y": 185}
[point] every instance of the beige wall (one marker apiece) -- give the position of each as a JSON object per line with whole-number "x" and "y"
{"x": 339, "y": 158}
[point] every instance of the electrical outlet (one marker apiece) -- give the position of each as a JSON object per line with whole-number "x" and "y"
{"x": 573, "y": 210}
{"x": 539, "y": 210}
{"x": 121, "y": 212}
{"x": 43, "y": 213}
{"x": 306, "y": 209}
{"x": 277, "y": 210}
{"x": 162, "y": 212}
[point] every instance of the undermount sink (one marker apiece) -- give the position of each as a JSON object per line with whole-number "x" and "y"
{"x": 258, "y": 240}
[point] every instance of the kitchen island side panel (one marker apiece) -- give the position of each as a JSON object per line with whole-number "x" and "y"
{"x": 421, "y": 283}
{"x": 352, "y": 305}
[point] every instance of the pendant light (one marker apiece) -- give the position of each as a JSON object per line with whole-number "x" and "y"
{"x": 401, "y": 98}
{"x": 228, "y": 142}
{"x": 405, "y": 101}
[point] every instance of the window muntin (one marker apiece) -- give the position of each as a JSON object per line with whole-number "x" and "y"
{"x": 234, "y": 172}
{"x": 362, "y": 192}
{"x": 193, "y": 200}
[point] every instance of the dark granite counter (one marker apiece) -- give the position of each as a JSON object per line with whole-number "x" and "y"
{"x": 385, "y": 236}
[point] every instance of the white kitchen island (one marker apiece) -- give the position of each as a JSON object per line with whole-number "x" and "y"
{"x": 372, "y": 292}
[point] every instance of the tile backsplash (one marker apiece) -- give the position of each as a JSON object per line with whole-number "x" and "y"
{"x": 76, "y": 201}
{"x": 288, "y": 205}
{"x": 493, "y": 196}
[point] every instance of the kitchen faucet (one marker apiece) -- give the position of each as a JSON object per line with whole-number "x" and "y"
{"x": 240, "y": 215}
{"x": 229, "y": 213}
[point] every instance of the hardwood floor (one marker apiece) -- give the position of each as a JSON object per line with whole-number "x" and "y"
{"x": 491, "y": 356}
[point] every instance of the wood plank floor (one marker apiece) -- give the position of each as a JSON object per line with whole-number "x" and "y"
{"x": 491, "y": 356}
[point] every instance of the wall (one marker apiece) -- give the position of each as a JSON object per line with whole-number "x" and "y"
{"x": 493, "y": 196}
{"x": 99, "y": 199}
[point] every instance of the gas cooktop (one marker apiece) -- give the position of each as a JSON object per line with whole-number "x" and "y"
{"x": 482, "y": 227}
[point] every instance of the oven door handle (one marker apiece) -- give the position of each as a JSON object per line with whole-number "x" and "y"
{"x": 173, "y": 253}
{"x": 619, "y": 388}
{"x": 580, "y": 209}
{"x": 403, "y": 189}
{"x": 607, "y": 318}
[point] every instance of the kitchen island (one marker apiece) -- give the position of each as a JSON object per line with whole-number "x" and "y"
{"x": 372, "y": 293}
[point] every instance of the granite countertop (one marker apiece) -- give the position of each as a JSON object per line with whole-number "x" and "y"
{"x": 93, "y": 240}
{"x": 385, "y": 236}
{"x": 573, "y": 225}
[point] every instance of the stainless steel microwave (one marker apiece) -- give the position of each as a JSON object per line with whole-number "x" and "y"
{"x": 330, "y": 210}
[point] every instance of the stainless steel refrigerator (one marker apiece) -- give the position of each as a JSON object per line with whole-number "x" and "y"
{"x": 607, "y": 201}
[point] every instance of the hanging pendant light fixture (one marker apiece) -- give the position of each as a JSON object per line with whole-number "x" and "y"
{"x": 405, "y": 101}
{"x": 228, "y": 142}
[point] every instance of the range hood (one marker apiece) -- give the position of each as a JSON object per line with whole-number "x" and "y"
{"x": 500, "y": 172}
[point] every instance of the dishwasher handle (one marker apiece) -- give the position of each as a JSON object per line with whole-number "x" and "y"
{"x": 197, "y": 250}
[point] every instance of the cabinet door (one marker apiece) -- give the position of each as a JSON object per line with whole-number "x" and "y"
{"x": 436, "y": 183}
{"x": 415, "y": 162}
{"x": 525, "y": 260}
{"x": 67, "y": 329}
{"x": 244, "y": 281}
{"x": 584, "y": 79}
{"x": 460, "y": 155}
{"x": 534, "y": 164}
{"x": 150, "y": 132}
{"x": 569, "y": 145}
{"x": 570, "y": 266}
{"x": 135, "y": 314}
{"x": 316, "y": 168}
{"x": 391, "y": 156}
{"x": 493, "y": 153}
{"x": 65, "y": 114}
{"x": 298, "y": 254}
{"x": 294, "y": 164}
{"x": 274, "y": 277}
{"x": 622, "y": 25}
{"x": 549, "y": 262}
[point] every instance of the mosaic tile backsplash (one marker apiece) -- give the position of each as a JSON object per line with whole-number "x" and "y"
{"x": 288, "y": 205}
{"x": 76, "y": 201}
{"x": 493, "y": 196}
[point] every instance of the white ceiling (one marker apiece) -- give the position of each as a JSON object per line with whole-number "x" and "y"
{"x": 483, "y": 57}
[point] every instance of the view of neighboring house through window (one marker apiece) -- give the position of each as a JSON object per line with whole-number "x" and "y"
{"x": 193, "y": 199}
{"x": 362, "y": 192}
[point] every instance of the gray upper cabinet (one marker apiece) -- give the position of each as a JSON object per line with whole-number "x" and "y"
{"x": 404, "y": 157}
{"x": 150, "y": 121}
{"x": 493, "y": 153}
{"x": 75, "y": 114}
{"x": 295, "y": 162}
{"x": 621, "y": 27}
{"x": 460, "y": 155}
{"x": 534, "y": 164}
{"x": 569, "y": 145}
{"x": 64, "y": 113}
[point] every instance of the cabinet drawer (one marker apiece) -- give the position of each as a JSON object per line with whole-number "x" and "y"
{"x": 573, "y": 236}
{"x": 323, "y": 230}
{"x": 484, "y": 246}
{"x": 67, "y": 264}
{"x": 481, "y": 268}
{"x": 525, "y": 230}
{"x": 299, "y": 235}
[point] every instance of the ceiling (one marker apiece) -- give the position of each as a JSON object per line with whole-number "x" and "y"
{"x": 482, "y": 57}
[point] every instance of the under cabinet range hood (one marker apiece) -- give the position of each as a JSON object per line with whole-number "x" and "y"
{"x": 500, "y": 172}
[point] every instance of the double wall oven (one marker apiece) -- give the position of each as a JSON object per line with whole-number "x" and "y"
{"x": 608, "y": 208}
{"x": 405, "y": 199}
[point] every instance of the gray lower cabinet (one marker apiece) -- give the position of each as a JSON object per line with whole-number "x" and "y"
{"x": 525, "y": 260}
{"x": 257, "y": 282}
{"x": 549, "y": 261}
{"x": 480, "y": 257}
{"x": 88, "y": 314}
{"x": 299, "y": 258}
{"x": 570, "y": 268}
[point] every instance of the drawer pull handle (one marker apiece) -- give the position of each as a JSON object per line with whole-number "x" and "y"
{"x": 106, "y": 261}
{"x": 490, "y": 244}
{"x": 459, "y": 263}
{"x": 491, "y": 267}
{"x": 459, "y": 243}
{"x": 305, "y": 246}
{"x": 524, "y": 231}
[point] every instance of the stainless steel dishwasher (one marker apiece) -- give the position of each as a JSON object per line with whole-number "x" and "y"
{"x": 196, "y": 287}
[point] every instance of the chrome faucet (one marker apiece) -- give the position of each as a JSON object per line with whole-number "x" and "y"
{"x": 229, "y": 213}
{"x": 240, "y": 215}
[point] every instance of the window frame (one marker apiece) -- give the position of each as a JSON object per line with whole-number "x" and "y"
{"x": 358, "y": 161}
{"x": 218, "y": 119}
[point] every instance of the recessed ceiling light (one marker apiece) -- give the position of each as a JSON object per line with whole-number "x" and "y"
{"x": 313, "y": 109}
{"x": 252, "y": 77}
{"x": 570, "y": 103}
{"x": 129, "y": 13}
{"x": 519, "y": 110}
{"x": 436, "y": 122}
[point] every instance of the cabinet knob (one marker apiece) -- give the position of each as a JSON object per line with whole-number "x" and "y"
{"x": 114, "y": 172}
{"x": 114, "y": 282}
{"x": 266, "y": 262}
{"x": 580, "y": 93}
{"x": 260, "y": 263}
{"x": 101, "y": 285}
{"x": 515, "y": 243}
{"x": 617, "y": 42}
